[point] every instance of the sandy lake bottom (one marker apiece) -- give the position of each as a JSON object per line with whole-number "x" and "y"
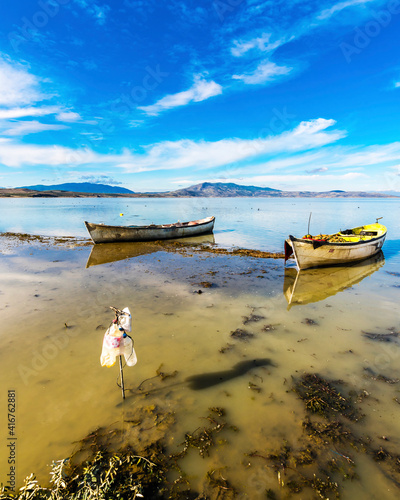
{"x": 237, "y": 346}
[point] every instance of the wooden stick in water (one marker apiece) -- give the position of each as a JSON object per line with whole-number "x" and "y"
{"x": 122, "y": 377}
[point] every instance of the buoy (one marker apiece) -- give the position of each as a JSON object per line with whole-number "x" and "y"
{"x": 121, "y": 215}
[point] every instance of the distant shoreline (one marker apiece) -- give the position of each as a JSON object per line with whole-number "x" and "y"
{"x": 29, "y": 193}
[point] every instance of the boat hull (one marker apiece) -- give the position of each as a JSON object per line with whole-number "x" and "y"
{"x": 101, "y": 233}
{"x": 308, "y": 255}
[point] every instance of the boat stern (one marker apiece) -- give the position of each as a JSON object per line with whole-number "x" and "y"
{"x": 288, "y": 249}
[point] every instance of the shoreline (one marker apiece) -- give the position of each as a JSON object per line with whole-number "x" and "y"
{"x": 167, "y": 245}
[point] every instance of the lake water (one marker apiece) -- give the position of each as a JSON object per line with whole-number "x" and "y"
{"x": 250, "y": 222}
{"x": 54, "y": 312}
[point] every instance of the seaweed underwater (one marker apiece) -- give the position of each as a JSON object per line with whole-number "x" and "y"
{"x": 326, "y": 455}
{"x": 132, "y": 459}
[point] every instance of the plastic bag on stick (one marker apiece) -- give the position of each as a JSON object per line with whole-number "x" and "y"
{"x": 117, "y": 343}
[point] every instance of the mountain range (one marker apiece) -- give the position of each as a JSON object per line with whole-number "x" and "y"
{"x": 204, "y": 189}
{"x": 80, "y": 187}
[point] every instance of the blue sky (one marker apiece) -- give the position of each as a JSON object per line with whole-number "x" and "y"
{"x": 154, "y": 96}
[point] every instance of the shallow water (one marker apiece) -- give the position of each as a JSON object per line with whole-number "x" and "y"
{"x": 54, "y": 312}
{"x": 258, "y": 223}
{"x": 63, "y": 393}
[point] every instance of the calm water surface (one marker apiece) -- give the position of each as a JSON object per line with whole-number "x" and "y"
{"x": 63, "y": 393}
{"x": 249, "y": 222}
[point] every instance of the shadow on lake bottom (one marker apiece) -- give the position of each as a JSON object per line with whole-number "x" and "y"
{"x": 206, "y": 380}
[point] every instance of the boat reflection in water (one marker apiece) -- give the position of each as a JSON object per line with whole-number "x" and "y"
{"x": 104, "y": 253}
{"x": 313, "y": 285}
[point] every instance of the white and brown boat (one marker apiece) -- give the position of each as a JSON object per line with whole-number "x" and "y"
{"x": 101, "y": 233}
{"x": 343, "y": 247}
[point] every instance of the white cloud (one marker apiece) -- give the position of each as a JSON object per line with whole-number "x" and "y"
{"x": 98, "y": 12}
{"x": 19, "y": 93}
{"x": 317, "y": 170}
{"x": 283, "y": 157}
{"x": 367, "y": 156}
{"x": 15, "y": 154}
{"x": 262, "y": 43}
{"x": 28, "y": 111}
{"x": 184, "y": 153}
{"x": 28, "y": 127}
{"x": 17, "y": 86}
{"x": 200, "y": 91}
{"x": 396, "y": 169}
{"x": 327, "y": 13}
{"x": 187, "y": 153}
{"x": 68, "y": 116}
{"x": 302, "y": 182}
{"x": 296, "y": 180}
{"x": 266, "y": 71}
{"x": 136, "y": 123}
{"x": 330, "y": 158}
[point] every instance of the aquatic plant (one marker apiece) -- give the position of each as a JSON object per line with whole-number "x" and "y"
{"x": 105, "y": 476}
{"x": 320, "y": 396}
{"x": 145, "y": 472}
{"x": 241, "y": 334}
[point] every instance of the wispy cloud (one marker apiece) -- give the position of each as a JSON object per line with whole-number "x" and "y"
{"x": 180, "y": 154}
{"x": 327, "y": 13}
{"x": 28, "y": 111}
{"x": 200, "y": 91}
{"x": 68, "y": 116}
{"x": 135, "y": 123}
{"x": 99, "y": 179}
{"x": 301, "y": 182}
{"x": 21, "y": 96}
{"x": 262, "y": 43}
{"x": 15, "y": 154}
{"x": 266, "y": 71}
{"x": 202, "y": 154}
{"x": 22, "y": 128}
{"x": 98, "y": 12}
{"x": 317, "y": 170}
{"x": 296, "y": 159}
{"x": 271, "y": 69}
{"x": 17, "y": 86}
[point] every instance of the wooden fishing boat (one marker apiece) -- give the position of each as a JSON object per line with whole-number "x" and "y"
{"x": 101, "y": 233}
{"x": 340, "y": 248}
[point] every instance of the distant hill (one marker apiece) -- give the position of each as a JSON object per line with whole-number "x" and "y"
{"x": 229, "y": 190}
{"x": 80, "y": 187}
{"x": 224, "y": 189}
{"x": 203, "y": 190}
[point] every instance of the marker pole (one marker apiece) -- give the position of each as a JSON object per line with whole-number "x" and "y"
{"x": 122, "y": 377}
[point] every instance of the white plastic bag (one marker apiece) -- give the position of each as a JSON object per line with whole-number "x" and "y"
{"x": 117, "y": 343}
{"x": 126, "y": 320}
